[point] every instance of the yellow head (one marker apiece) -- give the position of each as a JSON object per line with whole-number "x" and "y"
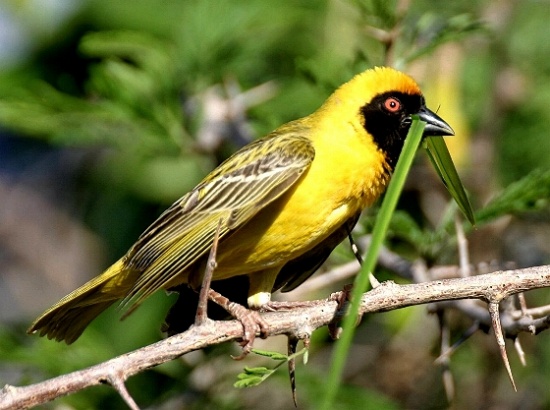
{"x": 370, "y": 83}
{"x": 382, "y": 101}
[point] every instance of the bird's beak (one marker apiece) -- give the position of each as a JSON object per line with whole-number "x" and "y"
{"x": 435, "y": 125}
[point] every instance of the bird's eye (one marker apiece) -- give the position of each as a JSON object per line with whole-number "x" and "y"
{"x": 392, "y": 105}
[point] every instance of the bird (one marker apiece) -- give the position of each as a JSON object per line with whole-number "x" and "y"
{"x": 278, "y": 206}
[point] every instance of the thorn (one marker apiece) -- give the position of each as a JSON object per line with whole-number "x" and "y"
{"x": 292, "y": 345}
{"x": 118, "y": 384}
{"x": 520, "y": 352}
{"x": 373, "y": 281}
{"x": 202, "y": 307}
{"x": 495, "y": 320}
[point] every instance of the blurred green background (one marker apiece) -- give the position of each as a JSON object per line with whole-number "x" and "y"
{"x": 111, "y": 110}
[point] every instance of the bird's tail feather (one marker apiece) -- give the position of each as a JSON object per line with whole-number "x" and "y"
{"x": 67, "y": 319}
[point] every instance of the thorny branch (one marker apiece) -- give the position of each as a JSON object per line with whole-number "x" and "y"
{"x": 492, "y": 288}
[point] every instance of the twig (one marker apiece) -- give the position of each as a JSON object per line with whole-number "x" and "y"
{"x": 462, "y": 243}
{"x": 520, "y": 352}
{"x": 444, "y": 360}
{"x": 387, "y": 259}
{"x": 445, "y": 354}
{"x": 492, "y": 287}
{"x": 538, "y": 311}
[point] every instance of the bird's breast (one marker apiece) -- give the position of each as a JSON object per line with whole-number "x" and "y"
{"x": 341, "y": 181}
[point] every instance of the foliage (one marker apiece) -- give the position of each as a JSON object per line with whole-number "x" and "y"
{"x": 126, "y": 86}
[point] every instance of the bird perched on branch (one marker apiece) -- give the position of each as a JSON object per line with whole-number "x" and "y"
{"x": 284, "y": 202}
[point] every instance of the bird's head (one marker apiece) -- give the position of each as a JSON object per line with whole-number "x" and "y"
{"x": 385, "y": 101}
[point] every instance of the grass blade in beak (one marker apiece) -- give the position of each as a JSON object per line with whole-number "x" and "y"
{"x": 443, "y": 164}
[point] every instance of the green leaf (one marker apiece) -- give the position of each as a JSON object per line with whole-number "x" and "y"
{"x": 443, "y": 164}
{"x": 256, "y": 371}
{"x": 248, "y": 381}
{"x": 405, "y": 227}
{"x": 252, "y": 376}
{"x": 432, "y": 31}
{"x": 530, "y": 193}
{"x": 271, "y": 355}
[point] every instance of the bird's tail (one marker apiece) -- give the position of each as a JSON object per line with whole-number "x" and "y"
{"x": 67, "y": 319}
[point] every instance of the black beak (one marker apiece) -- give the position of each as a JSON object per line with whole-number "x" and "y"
{"x": 435, "y": 126}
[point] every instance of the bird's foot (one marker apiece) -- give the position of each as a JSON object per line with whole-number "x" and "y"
{"x": 252, "y": 321}
{"x": 343, "y": 299}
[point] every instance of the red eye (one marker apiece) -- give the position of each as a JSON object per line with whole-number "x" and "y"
{"x": 392, "y": 105}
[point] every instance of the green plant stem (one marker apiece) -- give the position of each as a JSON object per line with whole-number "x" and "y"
{"x": 362, "y": 280}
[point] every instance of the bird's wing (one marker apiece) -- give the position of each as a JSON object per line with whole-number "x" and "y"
{"x": 296, "y": 271}
{"x": 232, "y": 194}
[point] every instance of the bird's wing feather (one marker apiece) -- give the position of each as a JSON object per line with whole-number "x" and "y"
{"x": 232, "y": 194}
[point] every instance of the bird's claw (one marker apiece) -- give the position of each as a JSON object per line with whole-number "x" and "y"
{"x": 253, "y": 323}
{"x": 342, "y": 298}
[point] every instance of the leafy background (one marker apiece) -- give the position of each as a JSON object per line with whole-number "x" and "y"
{"x": 111, "y": 110}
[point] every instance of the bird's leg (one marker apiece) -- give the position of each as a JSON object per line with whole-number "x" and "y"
{"x": 251, "y": 320}
{"x": 355, "y": 249}
{"x": 202, "y": 307}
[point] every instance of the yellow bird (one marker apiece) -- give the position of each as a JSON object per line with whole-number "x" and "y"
{"x": 284, "y": 201}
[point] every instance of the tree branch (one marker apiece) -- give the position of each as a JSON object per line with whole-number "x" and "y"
{"x": 300, "y": 323}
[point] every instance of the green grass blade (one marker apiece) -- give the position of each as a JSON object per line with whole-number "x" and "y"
{"x": 362, "y": 279}
{"x": 443, "y": 164}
